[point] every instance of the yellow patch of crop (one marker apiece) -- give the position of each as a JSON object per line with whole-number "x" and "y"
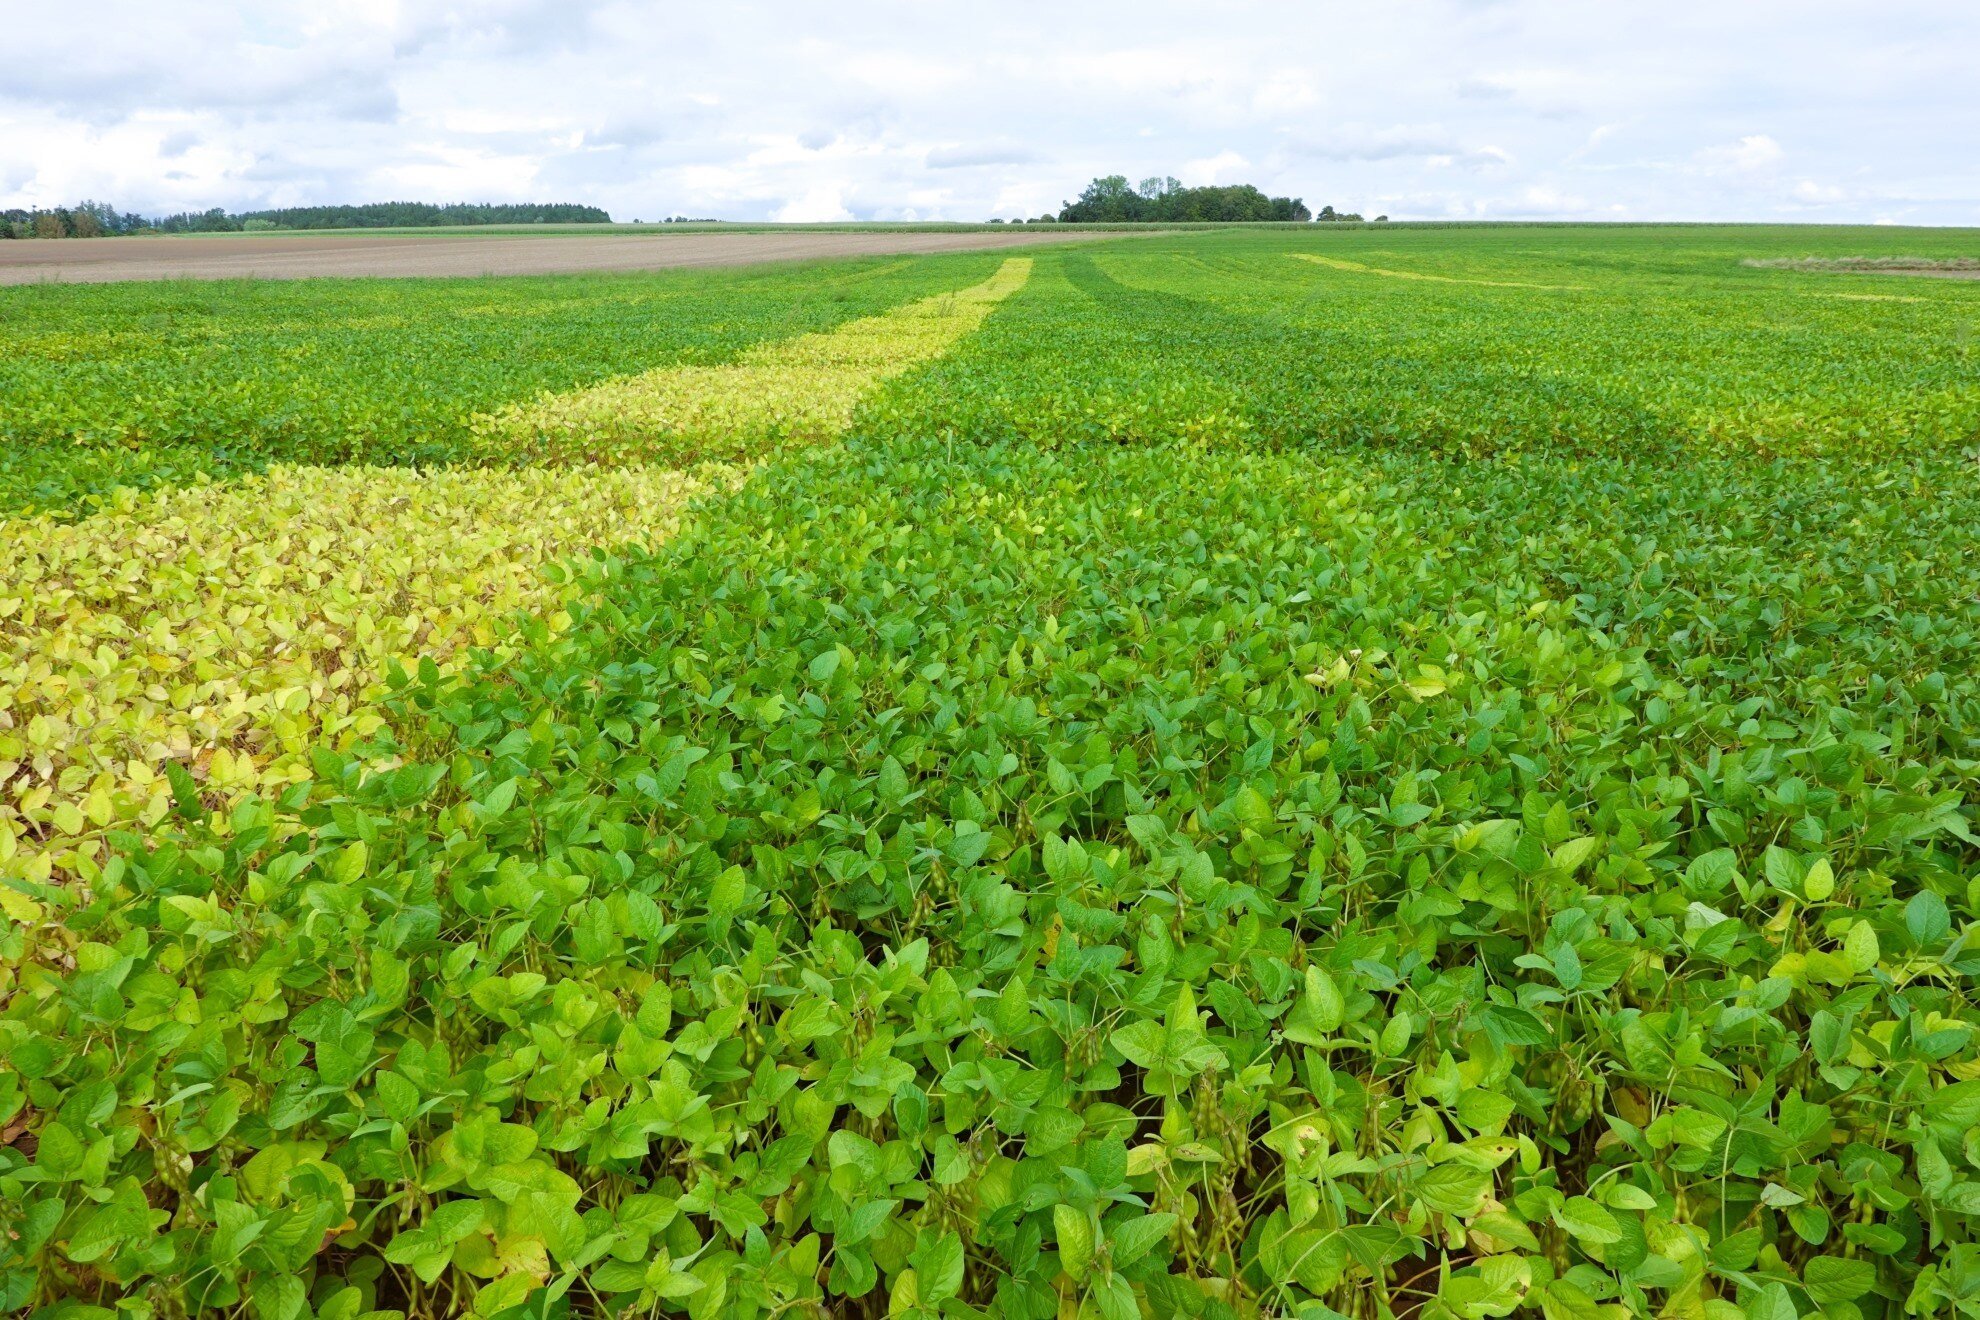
{"x": 793, "y": 391}
{"x": 232, "y": 628}
{"x": 1866, "y": 297}
{"x": 1337, "y": 264}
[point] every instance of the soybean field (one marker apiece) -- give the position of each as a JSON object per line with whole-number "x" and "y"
{"x": 1393, "y": 772}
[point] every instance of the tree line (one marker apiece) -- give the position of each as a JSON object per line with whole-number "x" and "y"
{"x": 85, "y": 220}
{"x": 1113, "y": 200}
{"x": 99, "y": 219}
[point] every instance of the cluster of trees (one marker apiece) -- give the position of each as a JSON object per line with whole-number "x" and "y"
{"x": 84, "y": 220}
{"x": 97, "y": 219}
{"x": 1113, "y": 200}
{"x": 383, "y": 215}
{"x": 215, "y": 221}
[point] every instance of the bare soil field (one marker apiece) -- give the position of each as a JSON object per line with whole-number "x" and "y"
{"x": 300, "y": 256}
{"x": 1933, "y": 273}
{"x": 1943, "y": 268}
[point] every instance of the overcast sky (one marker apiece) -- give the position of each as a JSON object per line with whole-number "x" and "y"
{"x": 1680, "y": 109}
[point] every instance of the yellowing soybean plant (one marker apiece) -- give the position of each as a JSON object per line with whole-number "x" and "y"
{"x": 1382, "y": 773}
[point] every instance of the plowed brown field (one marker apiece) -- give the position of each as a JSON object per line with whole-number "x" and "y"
{"x": 299, "y": 256}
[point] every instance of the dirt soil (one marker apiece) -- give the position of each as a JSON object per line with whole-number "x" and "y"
{"x": 1916, "y": 271}
{"x": 1940, "y": 268}
{"x": 300, "y": 256}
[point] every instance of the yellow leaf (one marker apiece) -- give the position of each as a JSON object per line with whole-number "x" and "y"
{"x": 1426, "y": 685}
{"x": 19, "y": 906}
{"x": 98, "y": 808}
{"x": 1860, "y": 948}
{"x": 68, "y": 819}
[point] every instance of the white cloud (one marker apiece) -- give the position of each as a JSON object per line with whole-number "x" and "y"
{"x": 1475, "y": 158}
{"x": 824, "y": 202}
{"x": 1224, "y": 167}
{"x": 1021, "y": 202}
{"x": 874, "y": 108}
{"x": 1284, "y": 93}
{"x": 1752, "y": 153}
{"x": 1354, "y": 141}
{"x": 972, "y": 155}
{"x": 446, "y": 170}
{"x": 1546, "y": 200}
{"x": 1144, "y": 71}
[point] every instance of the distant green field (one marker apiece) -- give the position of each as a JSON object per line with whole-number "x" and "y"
{"x": 1384, "y": 772}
